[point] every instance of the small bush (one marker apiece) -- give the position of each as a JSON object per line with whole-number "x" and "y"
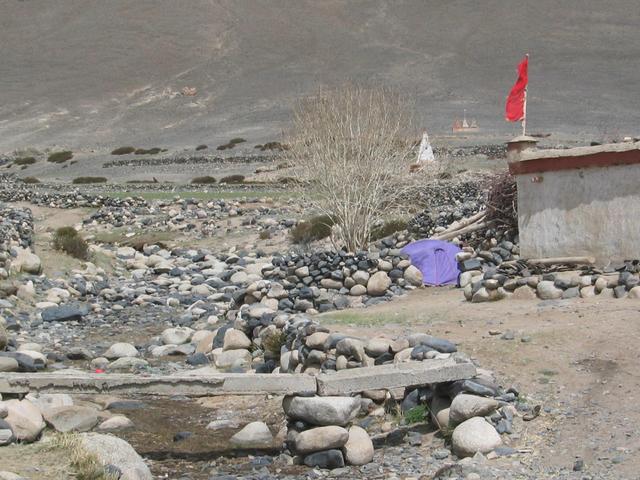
{"x": 274, "y": 342}
{"x": 25, "y": 161}
{"x": 201, "y": 147}
{"x": 264, "y": 235}
{"x": 316, "y": 228}
{"x": 416, "y": 414}
{"x": 388, "y": 228}
{"x": 123, "y": 151}
{"x": 150, "y": 151}
{"x": 67, "y": 239}
{"x": 203, "y": 180}
{"x": 84, "y": 180}
{"x": 232, "y": 179}
{"x": 232, "y": 143}
{"x": 30, "y": 180}
{"x": 60, "y": 157}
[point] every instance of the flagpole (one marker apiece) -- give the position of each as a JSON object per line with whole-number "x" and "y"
{"x": 524, "y": 107}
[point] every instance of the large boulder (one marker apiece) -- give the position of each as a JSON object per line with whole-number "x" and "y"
{"x": 473, "y": 436}
{"x": 235, "y": 340}
{"x": 25, "y": 419}
{"x": 8, "y": 364}
{"x": 359, "y": 448}
{"x": 548, "y": 291}
{"x": 6, "y": 433}
{"x": 413, "y": 276}
{"x": 121, "y": 350}
{"x": 464, "y": 407}
{"x": 320, "y": 438}
{"x": 322, "y": 410}
{"x": 114, "y": 451}
{"x": 378, "y": 284}
{"x": 73, "y": 418}
{"x": 253, "y": 435}
{"x": 63, "y": 313}
{"x": 329, "y": 459}
{"x": 231, "y": 358}
{"x": 26, "y": 261}
{"x": 47, "y": 401}
{"x": 177, "y": 335}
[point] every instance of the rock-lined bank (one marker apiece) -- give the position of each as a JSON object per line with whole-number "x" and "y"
{"x": 589, "y": 282}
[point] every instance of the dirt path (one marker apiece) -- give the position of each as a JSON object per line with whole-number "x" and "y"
{"x": 579, "y": 359}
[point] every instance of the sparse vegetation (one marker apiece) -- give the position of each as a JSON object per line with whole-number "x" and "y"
{"x": 417, "y": 414}
{"x": 30, "y": 180}
{"x": 87, "y": 466}
{"x": 68, "y": 240}
{"x": 237, "y": 140}
{"x": 264, "y": 235}
{"x": 84, "y": 180}
{"x": 274, "y": 342}
{"x": 24, "y": 161}
{"x": 232, "y": 179}
{"x": 274, "y": 146}
{"x": 60, "y": 157}
{"x": 349, "y": 144}
{"x": 201, "y": 147}
{"x": 388, "y": 228}
{"x": 203, "y": 180}
{"x": 3, "y": 337}
{"x": 123, "y": 151}
{"x": 316, "y": 228}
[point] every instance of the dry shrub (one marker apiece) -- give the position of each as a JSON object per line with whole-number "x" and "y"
{"x": 123, "y": 151}
{"x": 201, "y": 147}
{"x": 4, "y": 337}
{"x": 316, "y": 228}
{"x": 69, "y": 241}
{"x": 30, "y": 180}
{"x": 147, "y": 151}
{"x": 86, "y": 464}
{"x": 502, "y": 200}
{"x": 350, "y": 145}
{"x": 264, "y": 235}
{"x": 232, "y": 179}
{"x": 24, "y": 161}
{"x": 84, "y": 180}
{"x": 60, "y": 157}
{"x": 203, "y": 180}
{"x": 388, "y": 228}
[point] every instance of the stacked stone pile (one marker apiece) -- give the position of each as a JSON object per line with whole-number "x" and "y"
{"x": 325, "y": 280}
{"x": 321, "y": 432}
{"x": 446, "y": 201}
{"x": 16, "y": 237}
{"x": 497, "y": 284}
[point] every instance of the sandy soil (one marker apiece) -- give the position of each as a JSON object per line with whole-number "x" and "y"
{"x": 580, "y": 361}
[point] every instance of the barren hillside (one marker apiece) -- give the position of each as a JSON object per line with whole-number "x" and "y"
{"x": 90, "y": 73}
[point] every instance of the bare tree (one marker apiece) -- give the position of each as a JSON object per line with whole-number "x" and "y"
{"x": 350, "y": 147}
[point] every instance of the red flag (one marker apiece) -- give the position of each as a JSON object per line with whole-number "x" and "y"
{"x": 514, "y": 111}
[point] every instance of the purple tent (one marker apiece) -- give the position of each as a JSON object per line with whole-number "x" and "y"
{"x": 436, "y": 260}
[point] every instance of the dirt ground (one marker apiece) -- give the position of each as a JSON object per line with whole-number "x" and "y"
{"x": 579, "y": 360}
